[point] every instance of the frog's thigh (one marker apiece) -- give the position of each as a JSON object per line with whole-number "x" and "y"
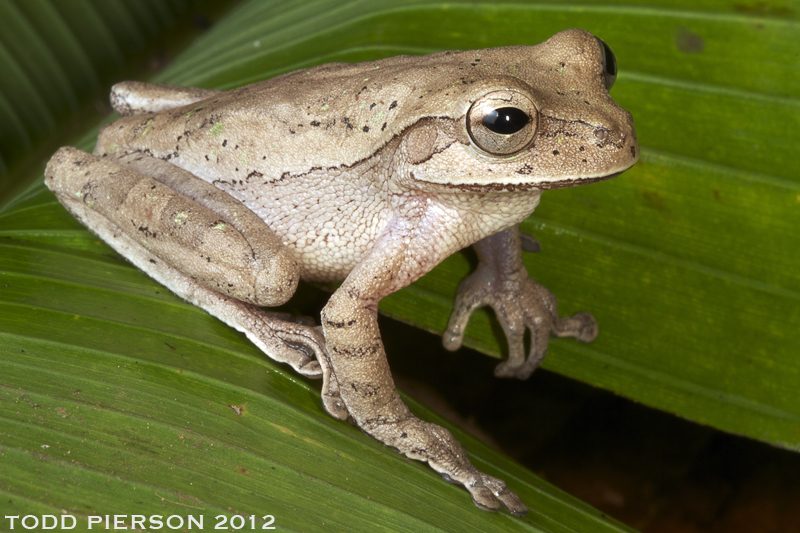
{"x": 189, "y": 248}
{"x": 223, "y": 244}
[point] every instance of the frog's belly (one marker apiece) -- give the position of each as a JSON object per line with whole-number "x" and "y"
{"x": 329, "y": 223}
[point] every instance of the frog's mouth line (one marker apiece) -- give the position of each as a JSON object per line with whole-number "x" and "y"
{"x": 512, "y": 187}
{"x": 563, "y": 184}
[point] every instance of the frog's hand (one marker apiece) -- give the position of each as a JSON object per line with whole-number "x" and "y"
{"x": 359, "y": 363}
{"x": 139, "y": 98}
{"x": 520, "y": 303}
{"x": 197, "y": 241}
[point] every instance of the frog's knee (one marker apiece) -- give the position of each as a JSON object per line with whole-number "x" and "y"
{"x": 277, "y": 280}
{"x": 138, "y": 98}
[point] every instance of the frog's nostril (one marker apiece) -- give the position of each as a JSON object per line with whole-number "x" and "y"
{"x": 601, "y": 133}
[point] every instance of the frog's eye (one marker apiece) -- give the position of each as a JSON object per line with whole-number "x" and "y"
{"x": 609, "y": 64}
{"x": 502, "y": 122}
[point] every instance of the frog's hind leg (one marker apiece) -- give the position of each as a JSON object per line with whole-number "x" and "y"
{"x": 139, "y": 98}
{"x": 200, "y": 243}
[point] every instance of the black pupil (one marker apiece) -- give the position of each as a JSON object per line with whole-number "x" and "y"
{"x": 611, "y": 61}
{"x": 506, "y": 120}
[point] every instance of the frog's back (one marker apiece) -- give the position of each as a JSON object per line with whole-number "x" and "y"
{"x": 315, "y": 148}
{"x": 346, "y": 112}
{"x": 340, "y": 114}
{"x": 310, "y": 152}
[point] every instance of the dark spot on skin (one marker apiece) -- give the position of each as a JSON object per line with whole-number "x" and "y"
{"x": 393, "y": 105}
{"x": 314, "y": 123}
{"x": 147, "y": 231}
{"x": 555, "y": 152}
{"x": 236, "y": 147}
{"x": 225, "y": 142}
{"x": 525, "y": 169}
{"x": 633, "y": 151}
{"x": 153, "y": 261}
{"x": 207, "y": 159}
{"x": 366, "y": 390}
{"x": 372, "y": 106}
{"x": 180, "y": 137}
{"x": 383, "y": 127}
{"x": 558, "y": 133}
{"x": 583, "y": 161}
{"x": 365, "y": 129}
{"x": 404, "y": 435}
{"x": 586, "y": 102}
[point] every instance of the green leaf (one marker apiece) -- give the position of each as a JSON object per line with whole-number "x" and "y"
{"x": 118, "y": 398}
{"x": 52, "y": 54}
{"x": 113, "y": 391}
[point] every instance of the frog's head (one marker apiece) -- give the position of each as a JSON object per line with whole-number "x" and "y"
{"x": 534, "y": 117}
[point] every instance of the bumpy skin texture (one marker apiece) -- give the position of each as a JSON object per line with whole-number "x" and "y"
{"x": 369, "y": 173}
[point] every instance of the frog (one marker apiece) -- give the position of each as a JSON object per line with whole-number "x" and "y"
{"x": 367, "y": 174}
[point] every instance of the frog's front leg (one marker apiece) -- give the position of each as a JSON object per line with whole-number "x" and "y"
{"x": 520, "y": 303}
{"x": 359, "y": 363}
{"x": 199, "y": 242}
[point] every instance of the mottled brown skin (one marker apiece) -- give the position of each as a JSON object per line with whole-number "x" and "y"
{"x": 372, "y": 174}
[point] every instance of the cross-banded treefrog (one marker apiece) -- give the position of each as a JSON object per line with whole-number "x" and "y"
{"x": 370, "y": 173}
